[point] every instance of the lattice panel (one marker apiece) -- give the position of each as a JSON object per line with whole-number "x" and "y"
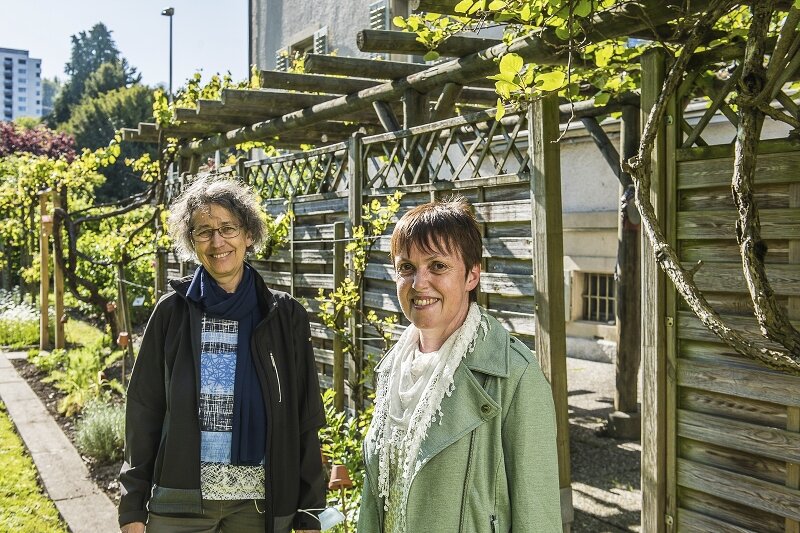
{"x": 312, "y": 172}
{"x": 715, "y": 90}
{"x": 451, "y": 150}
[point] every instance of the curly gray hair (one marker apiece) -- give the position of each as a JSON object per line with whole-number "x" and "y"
{"x": 231, "y": 194}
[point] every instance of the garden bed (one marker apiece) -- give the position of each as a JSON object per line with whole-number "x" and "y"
{"x": 103, "y": 474}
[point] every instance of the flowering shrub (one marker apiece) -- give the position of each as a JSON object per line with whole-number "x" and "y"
{"x": 19, "y": 321}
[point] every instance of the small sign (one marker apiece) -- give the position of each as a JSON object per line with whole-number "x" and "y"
{"x": 138, "y": 301}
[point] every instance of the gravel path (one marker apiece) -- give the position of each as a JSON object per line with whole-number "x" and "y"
{"x": 606, "y": 487}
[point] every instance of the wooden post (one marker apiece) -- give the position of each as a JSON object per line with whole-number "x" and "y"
{"x": 548, "y": 275}
{"x": 625, "y": 422}
{"x": 58, "y": 283}
{"x": 292, "y": 247}
{"x": 354, "y": 211}
{"x": 160, "y": 267}
{"x": 654, "y": 325}
{"x": 338, "y": 345}
{"x": 125, "y": 318}
{"x": 44, "y": 271}
{"x": 793, "y": 412}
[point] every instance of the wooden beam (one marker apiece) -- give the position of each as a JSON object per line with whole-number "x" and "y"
{"x": 654, "y": 328}
{"x": 533, "y": 48}
{"x": 401, "y": 42}
{"x": 603, "y": 143}
{"x": 415, "y": 109}
{"x": 271, "y": 79}
{"x": 386, "y": 116}
{"x": 548, "y": 275}
{"x": 445, "y": 105}
{"x": 269, "y": 101}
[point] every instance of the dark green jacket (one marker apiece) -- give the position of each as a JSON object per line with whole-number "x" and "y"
{"x": 161, "y": 471}
{"x": 491, "y": 465}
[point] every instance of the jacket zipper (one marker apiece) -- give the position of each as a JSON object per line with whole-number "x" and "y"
{"x": 494, "y": 524}
{"x": 277, "y": 376}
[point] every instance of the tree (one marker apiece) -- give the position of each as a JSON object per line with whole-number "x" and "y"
{"x": 96, "y": 120}
{"x": 89, "y": 51}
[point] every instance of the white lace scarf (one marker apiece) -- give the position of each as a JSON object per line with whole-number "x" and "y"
{"x": 406, "y": 407}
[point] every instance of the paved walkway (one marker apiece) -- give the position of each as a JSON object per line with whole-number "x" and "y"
{"x": 85, "y": 508}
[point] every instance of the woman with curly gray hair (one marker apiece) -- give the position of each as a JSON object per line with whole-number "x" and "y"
{"x": 223, "y": 404}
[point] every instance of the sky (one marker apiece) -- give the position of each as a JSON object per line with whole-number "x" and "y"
{"x": 208, "y": 35}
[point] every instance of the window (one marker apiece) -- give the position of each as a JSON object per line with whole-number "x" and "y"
{"x": 22, "y": 99}
{"x": 22, "y": 108}
{"x": 379, "y": 20}
{"x": 22, "y": 71}
{"x": 316, "y": 43}
{"x": 21, "y": 61}
{"x": 599, "y": 302}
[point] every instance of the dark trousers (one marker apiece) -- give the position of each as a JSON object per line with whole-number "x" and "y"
{"x": 219, "y": 516}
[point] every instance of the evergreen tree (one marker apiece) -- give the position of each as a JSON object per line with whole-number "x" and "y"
{"x": 97, "y": 118}
{"x": 90, "y": 50}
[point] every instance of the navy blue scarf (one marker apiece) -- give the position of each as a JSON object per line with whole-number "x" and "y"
{"x": 249, "y": 414}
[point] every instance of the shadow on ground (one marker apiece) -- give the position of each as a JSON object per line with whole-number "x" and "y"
{"x": 605, "y": 471}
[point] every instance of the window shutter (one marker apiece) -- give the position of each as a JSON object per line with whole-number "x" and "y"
{"x": 282, "y": 59}
{"x": 379, "y": 20}
{"x": 321, "y": 41}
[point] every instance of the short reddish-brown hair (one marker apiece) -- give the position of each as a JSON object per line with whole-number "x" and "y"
{"x": 441, "y": 226}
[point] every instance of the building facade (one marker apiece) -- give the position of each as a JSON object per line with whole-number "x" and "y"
{"x": 22, "y": 84}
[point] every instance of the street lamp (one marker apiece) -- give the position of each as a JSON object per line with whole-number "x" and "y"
{"x": 168, "y": 12}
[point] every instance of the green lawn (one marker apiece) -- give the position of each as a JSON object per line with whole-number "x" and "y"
{"x": 23, "y": 506}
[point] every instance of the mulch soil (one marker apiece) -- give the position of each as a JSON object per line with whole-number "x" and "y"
{"x": 103, "y": 474}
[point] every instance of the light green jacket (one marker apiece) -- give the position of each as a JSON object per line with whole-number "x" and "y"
{"x": 491, "y": 465}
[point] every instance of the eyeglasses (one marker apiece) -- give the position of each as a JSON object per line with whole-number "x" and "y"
{"x": 226, "y": 232}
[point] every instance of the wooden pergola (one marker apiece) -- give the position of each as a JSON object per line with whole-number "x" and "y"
{"x": 339, "y": 96}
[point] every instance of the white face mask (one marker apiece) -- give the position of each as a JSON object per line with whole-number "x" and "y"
{"x": 328, "y": 518}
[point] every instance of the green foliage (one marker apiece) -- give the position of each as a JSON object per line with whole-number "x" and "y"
{"x": 19, "y": 321}
{"x": 100, "y": 432}
{"x": 596, "y": 70}
{"x": 342, "y": 440}
{"x": 90, "y": 50}
{"x": 47, "y": 362}
{"x": 96, "y": 119}
{"x": 277, "y": 233}
{"x": 23, "y": 505}
{"x": 81, "y": 377}
{"x": 337, "y": 306}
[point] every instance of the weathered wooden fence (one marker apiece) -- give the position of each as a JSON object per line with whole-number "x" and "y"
{"x": 721, "y": 442}
{"x": 516, "y": 196}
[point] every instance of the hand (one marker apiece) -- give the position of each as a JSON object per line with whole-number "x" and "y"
{"x": 133, "y": 527}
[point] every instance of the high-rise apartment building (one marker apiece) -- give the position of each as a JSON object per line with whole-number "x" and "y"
{"x": 22, "y": 84}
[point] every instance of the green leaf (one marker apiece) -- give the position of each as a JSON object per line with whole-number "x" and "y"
{"x": 430, "y": 17}
{"x": 497, "y": 5}
{"x": 601, "y": 98}
{"x": 511, "y": 63}
{"x": 464, "y": 5}
{"x": 400, "y": 22}
{"x": 562, "y": 32}
{"x": 501, "y": 110}
{"x": 433, "y": 55}
{"x": 603, "y": 55}
{"x": 504, "y": 88}
{"x": 583, "y": 9}
{"x": 550, "y": 81}
{"x": 525, "y": 13}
